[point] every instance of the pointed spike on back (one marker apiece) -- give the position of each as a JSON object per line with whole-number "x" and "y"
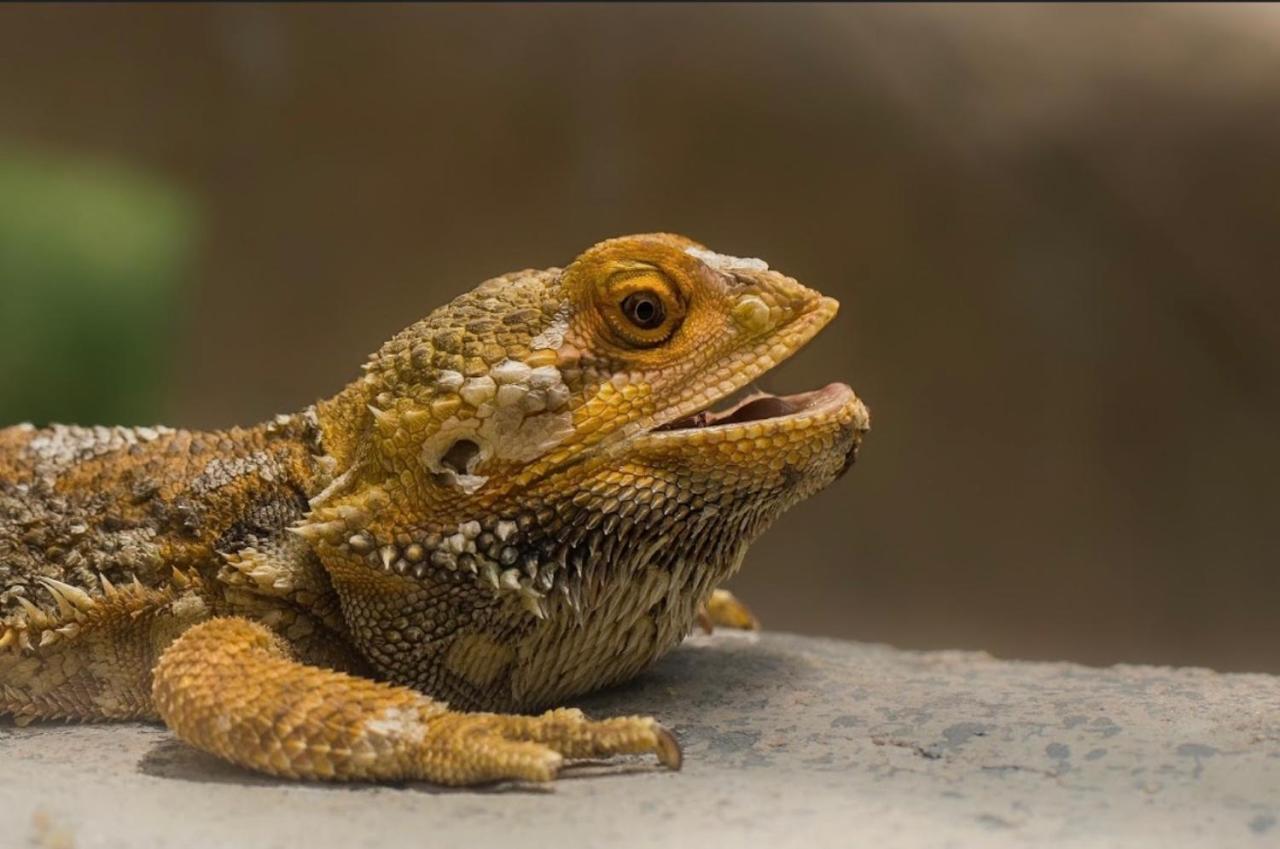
{"x": 35, "y": 616}
{"x": 65, "y": 609}
{"x": 75, "y": 596}
{"x": 108, "y": 589}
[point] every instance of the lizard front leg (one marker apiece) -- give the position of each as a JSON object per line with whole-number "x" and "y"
{"x": 232, "y": 688}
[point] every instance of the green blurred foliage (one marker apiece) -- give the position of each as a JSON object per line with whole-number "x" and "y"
{"x": 93, "y": 258}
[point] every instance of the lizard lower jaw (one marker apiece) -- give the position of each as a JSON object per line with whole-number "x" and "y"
{"x": 772, "y": 411}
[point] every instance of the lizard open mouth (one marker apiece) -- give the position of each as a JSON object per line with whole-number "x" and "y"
{"x": 761, "y": 406}
{"x": 758, "y": 413}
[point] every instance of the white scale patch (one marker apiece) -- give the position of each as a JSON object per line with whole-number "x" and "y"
{"x": 61, "y": 446}
{"x": 396, "y": 724}
{"x": 517, "y": 418}
{"x": 729, "y": 264}
{"x": 220, "y": 471}
{"x": 552, "y": 337}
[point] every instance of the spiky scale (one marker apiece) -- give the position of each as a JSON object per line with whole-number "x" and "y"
{"x": 70, "y": 599}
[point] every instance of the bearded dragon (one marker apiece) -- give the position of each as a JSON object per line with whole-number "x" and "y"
{"x": 523, "y": 498}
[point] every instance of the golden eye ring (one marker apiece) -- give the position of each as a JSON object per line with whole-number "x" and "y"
{"x": 642, "y": 307}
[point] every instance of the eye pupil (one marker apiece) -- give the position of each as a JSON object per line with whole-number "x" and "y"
{"x": 644, "y": 310}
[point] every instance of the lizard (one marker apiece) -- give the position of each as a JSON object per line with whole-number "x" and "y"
{"x": 525, "y": 496}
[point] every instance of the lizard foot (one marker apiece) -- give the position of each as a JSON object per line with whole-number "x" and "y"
{"x": 492, "y": 747}
{"x": 723, "y": 610}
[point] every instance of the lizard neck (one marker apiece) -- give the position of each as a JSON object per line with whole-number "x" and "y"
{"x": 338, "y": 423}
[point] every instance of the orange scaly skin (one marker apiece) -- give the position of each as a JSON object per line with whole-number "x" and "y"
{"x": 522, "y": 500}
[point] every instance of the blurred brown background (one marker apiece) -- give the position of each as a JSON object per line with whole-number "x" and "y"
{"x": 1053, "y": 231}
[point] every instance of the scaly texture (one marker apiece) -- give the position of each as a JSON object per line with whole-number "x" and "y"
{"x": 525, "y": 497}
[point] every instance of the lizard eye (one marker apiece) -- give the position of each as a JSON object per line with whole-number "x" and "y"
{"x": 643, "y": 308}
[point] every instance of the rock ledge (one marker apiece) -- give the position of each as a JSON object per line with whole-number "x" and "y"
{"x": 789, "y": 741}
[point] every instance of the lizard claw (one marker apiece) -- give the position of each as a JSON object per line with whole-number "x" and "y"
{"x": 668, "y": 748}
{"x": 569, "y": 733}
{"x": 723, "y": 610}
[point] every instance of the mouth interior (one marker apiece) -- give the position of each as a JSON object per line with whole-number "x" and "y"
{"x": 759, "y": 406}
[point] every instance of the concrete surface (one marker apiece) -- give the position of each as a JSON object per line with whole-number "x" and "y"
{"x": 789, "y": 741}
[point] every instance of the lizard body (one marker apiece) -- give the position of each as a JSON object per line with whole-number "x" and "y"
{"x": 522, "y": 499}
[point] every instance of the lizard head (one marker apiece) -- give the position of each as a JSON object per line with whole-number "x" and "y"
{"x": 547, "y": 439}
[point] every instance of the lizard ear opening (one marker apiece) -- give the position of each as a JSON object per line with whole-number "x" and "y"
{"x": 461, "y": 457}
{"x": 454, "y": 460}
